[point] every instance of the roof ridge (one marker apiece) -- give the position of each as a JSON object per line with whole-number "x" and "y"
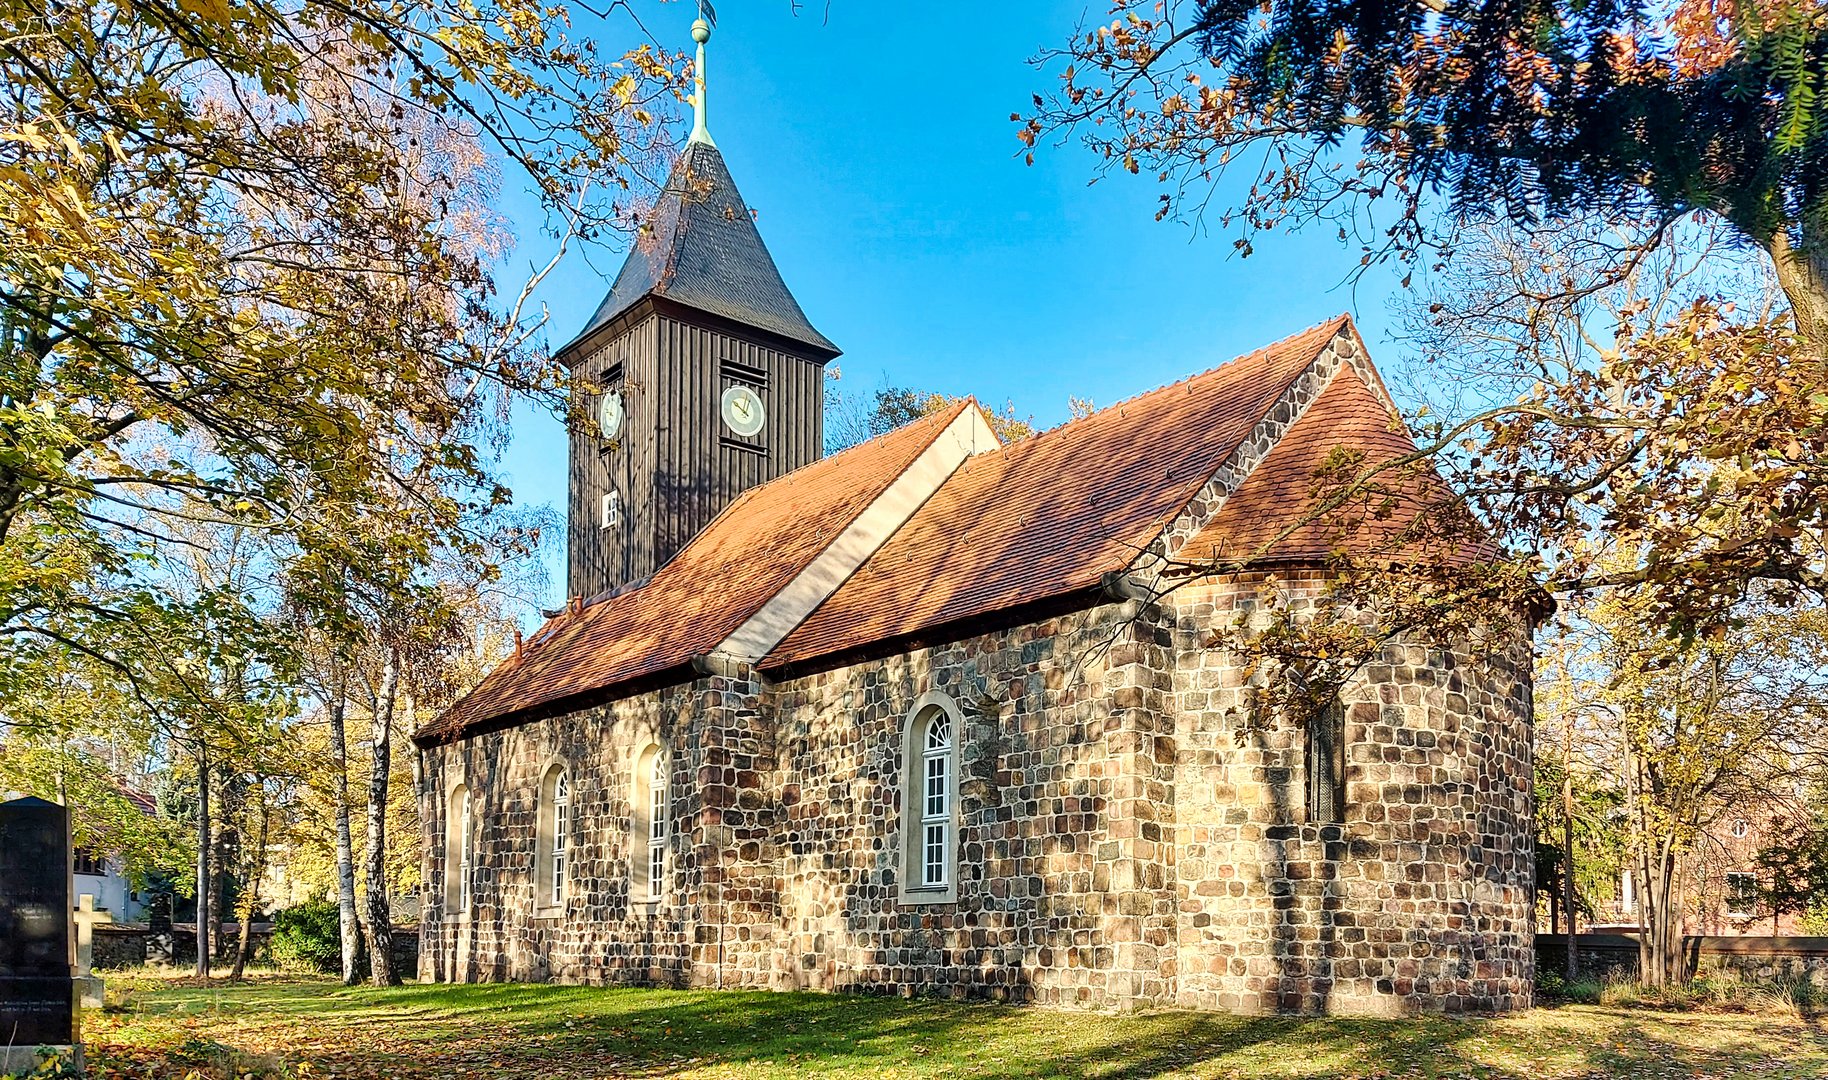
{"x": 682, "y": 170}
{"x": 751, "y": 493}
{"x": 951, "y": 414}
{"x": 1337, "y": 323}
{"x": 1342, "y": 319}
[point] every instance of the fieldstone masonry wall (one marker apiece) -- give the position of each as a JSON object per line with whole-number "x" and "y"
{"x": 1122, "y": 838}
{"x": 1421, "y": 899}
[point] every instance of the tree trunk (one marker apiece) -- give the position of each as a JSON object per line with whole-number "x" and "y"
{"x": 228, "y": 810}
{"x": 380, "y": 931}
{"x": 1803, "y": 275}
{"x": 345, "y": 849}
{"x": 1649, "y": 924}
{"x": 1660, "y": 948}
{"x": 203, "y": 875}
{"x": 1567, "y": 843}
{"x": 250, "y": 900}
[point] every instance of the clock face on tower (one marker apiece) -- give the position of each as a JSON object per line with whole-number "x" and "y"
{"x": 742, "y": 410}
{"x": 610, "y": 415}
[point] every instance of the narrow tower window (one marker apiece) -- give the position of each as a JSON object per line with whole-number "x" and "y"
{"x": 1326, "y": 765}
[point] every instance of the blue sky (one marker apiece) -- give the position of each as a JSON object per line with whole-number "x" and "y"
{"x": 874, "y": 143}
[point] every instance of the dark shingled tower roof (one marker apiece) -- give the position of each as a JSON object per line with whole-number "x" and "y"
{"x": 700, "y": 248}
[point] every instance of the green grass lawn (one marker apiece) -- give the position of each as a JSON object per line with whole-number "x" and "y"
{"x": 290, "y": 1027}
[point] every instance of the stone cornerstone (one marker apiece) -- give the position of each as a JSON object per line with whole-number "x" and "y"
{"x": 1124, "y": 837}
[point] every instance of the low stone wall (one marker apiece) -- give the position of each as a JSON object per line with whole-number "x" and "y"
{"x": 120, "y": 945}
{"x": 1754, "y": 959}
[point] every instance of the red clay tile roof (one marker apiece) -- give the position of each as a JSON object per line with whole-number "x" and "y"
{"x": 760, "y": 542}
{"x": 1393, "y": 521}
{"x": 1048, "y": 516}
{"x": 141, "y": 801}
{"x": 1038, "y": 521}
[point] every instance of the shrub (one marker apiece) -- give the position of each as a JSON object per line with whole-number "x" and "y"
{"x": 308, "y": 937}
{"x": 54, "y": 1063}
{"x": 1585, "y": 990}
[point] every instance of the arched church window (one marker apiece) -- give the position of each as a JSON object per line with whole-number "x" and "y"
{"x": 930, "y": 811}
{"x": 553, "y": 842}
{"x": 650, "y": 828}
{"x": 459, "y": 848}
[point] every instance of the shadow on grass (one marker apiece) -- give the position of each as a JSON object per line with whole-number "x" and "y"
{"x": 517, "y": 1030}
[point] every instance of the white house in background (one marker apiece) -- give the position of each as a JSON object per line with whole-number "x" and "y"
{"x": 99, "y": 875}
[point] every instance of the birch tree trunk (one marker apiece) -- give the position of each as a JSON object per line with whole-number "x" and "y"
{"x": 203, "y": 876}
{"x": 380, "y": 931}
{"x": 347, "y": 924}
{"x": 1567, "y": 861}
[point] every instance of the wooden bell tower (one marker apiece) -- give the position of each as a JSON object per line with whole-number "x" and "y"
{"x": 705, "y": 377}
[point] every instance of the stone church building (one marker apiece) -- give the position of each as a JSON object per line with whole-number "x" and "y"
{"x": 936, "y": 714}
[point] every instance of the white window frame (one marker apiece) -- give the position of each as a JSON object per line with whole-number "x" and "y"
{"x": 657, "y": 828}
{"x": 930, "y": 813}
{"x": 611, "y": 509}
{"x": 552, "y": 840}
{"x": 459, "y": 848}
{"x": 561, "y": 835}
{"x": 650, "y": 829}
{"x": 937, "y": 794}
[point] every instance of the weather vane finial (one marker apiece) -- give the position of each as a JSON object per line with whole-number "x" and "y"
{"x": 701, "y": 33}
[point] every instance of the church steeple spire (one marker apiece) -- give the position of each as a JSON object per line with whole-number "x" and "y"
{"x": 698, "y": 247}
{"x": 701, "y": 33}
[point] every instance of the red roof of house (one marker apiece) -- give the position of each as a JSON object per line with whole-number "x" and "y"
{"x": 1050, "y": 515}
{"x": 757, "y": 545}
{"x": 1276, "y": 515}
{"x": 141, "y": 801}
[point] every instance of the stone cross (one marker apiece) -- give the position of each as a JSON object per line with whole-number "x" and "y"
{"x": 88, "y": 917}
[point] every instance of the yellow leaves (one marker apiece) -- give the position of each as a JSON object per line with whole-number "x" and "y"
{"x": 215, "y": 11}
{"x": 30, "y": 135}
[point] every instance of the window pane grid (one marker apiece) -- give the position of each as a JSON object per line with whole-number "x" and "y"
{"x": 1741, "y": 892}
{"x": 561, "y": 822}
{"x": 936, "y": 803}
{"x": 656, "y": 829}
{"x": 465, "y": 866}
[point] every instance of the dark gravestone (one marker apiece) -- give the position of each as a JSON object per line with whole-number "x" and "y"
{"x": 161, "y": 946}
{"x": 37, "y": 993}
